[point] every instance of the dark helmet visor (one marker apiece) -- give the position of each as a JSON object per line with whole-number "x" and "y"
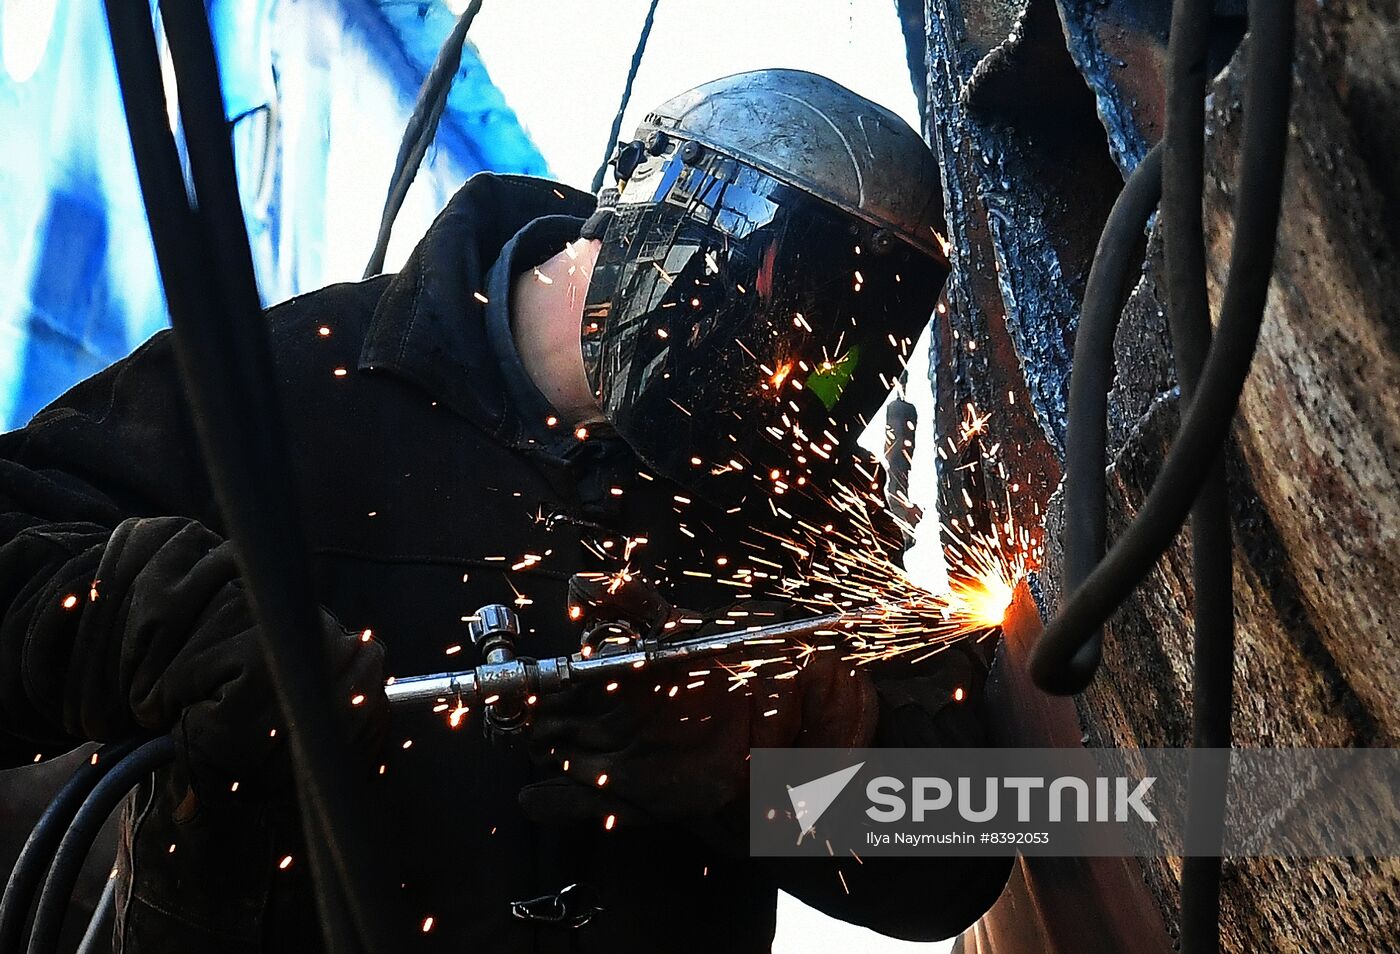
{"x": 738, "y": 329}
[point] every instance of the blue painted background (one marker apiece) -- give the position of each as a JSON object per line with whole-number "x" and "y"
{"x": 317, "y": 94}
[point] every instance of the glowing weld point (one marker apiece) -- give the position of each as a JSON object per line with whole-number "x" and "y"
{"x": 609, "y": 822}
{"x": 427, "y": 924}
{"x": 285, "y": 863}
{"x": 70, "y": 601}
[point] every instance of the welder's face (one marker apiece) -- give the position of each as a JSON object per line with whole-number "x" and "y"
{"x": 737, "y": 329}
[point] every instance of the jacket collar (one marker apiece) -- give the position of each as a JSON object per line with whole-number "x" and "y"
{"x": 430, "y": 325}
{"x": 529, "y": 413}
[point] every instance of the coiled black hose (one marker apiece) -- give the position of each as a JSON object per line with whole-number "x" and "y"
{"x": 1207, "y": 420}
{"x": 38, "y": 850}
{"x": 73, "y": 849}
{"x": 1212, "y": 376}
{"x": 1111, "y": 279}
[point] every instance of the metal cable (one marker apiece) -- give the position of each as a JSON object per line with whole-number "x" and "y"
{"x": 87, "y": 822}
{"x": 37, "y": 853}
{"x": 226, "y": 363}
{"x": 626, "y": 97}
{"x": 418, "y": 134}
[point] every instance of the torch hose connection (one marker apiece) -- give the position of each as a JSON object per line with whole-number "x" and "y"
{"x": 511, "y": 681}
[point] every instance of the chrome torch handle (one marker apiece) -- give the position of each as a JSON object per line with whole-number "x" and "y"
{"x": 516, "y": 680}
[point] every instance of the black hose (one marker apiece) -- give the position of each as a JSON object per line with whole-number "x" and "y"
{"x": 226, "y": 363}
{"x": 1212, "y": 377}
{"x": 1111, "y": 280}
{"x": 98, "y": 935}
{"x": 418, "y": 134}
{"x": 1212, "y": 559}
{"x": 1268, "y": 86}
{"x": 38, "y": 850}
{"x": 1212, "y": 562}
{"x": 1207, "y": 420}
{"x": 73, "y": 849}
{"x": 626, "y": 97}
{"x": 1183, "y": 183}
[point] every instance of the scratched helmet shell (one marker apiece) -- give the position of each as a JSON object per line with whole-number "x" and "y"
{"x": 771, "y": 259}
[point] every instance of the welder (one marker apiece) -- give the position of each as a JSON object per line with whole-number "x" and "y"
{"x": 639, "y": 395}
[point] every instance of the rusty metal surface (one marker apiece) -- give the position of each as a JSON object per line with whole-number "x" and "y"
{"x": 1315, "y": 463}
{"x": 1028, "y": 180}
{"x": 1057, "y": 905}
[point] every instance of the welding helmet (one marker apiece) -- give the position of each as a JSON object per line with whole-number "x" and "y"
{"x": 769, "y": 263}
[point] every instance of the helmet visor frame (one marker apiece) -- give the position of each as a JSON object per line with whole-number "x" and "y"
{"x": 740, "y": 329}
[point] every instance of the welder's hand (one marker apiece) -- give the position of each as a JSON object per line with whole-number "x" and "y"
{"x": 599, "y": 598}
{"x": 672, "y": 743}
{"x": 159, "y": 637}
{"x": 218, "y": 694}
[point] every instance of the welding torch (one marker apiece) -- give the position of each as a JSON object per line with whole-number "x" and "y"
{"x": 506, "y": 684}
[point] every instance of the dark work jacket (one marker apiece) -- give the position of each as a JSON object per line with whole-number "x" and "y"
{"x": 427, "y": 471}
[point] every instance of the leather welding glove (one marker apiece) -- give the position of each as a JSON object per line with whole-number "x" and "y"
{"x": 671, "y": 743}
{"x": 221, "y": 686}
{"x": 161, "y": 638}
